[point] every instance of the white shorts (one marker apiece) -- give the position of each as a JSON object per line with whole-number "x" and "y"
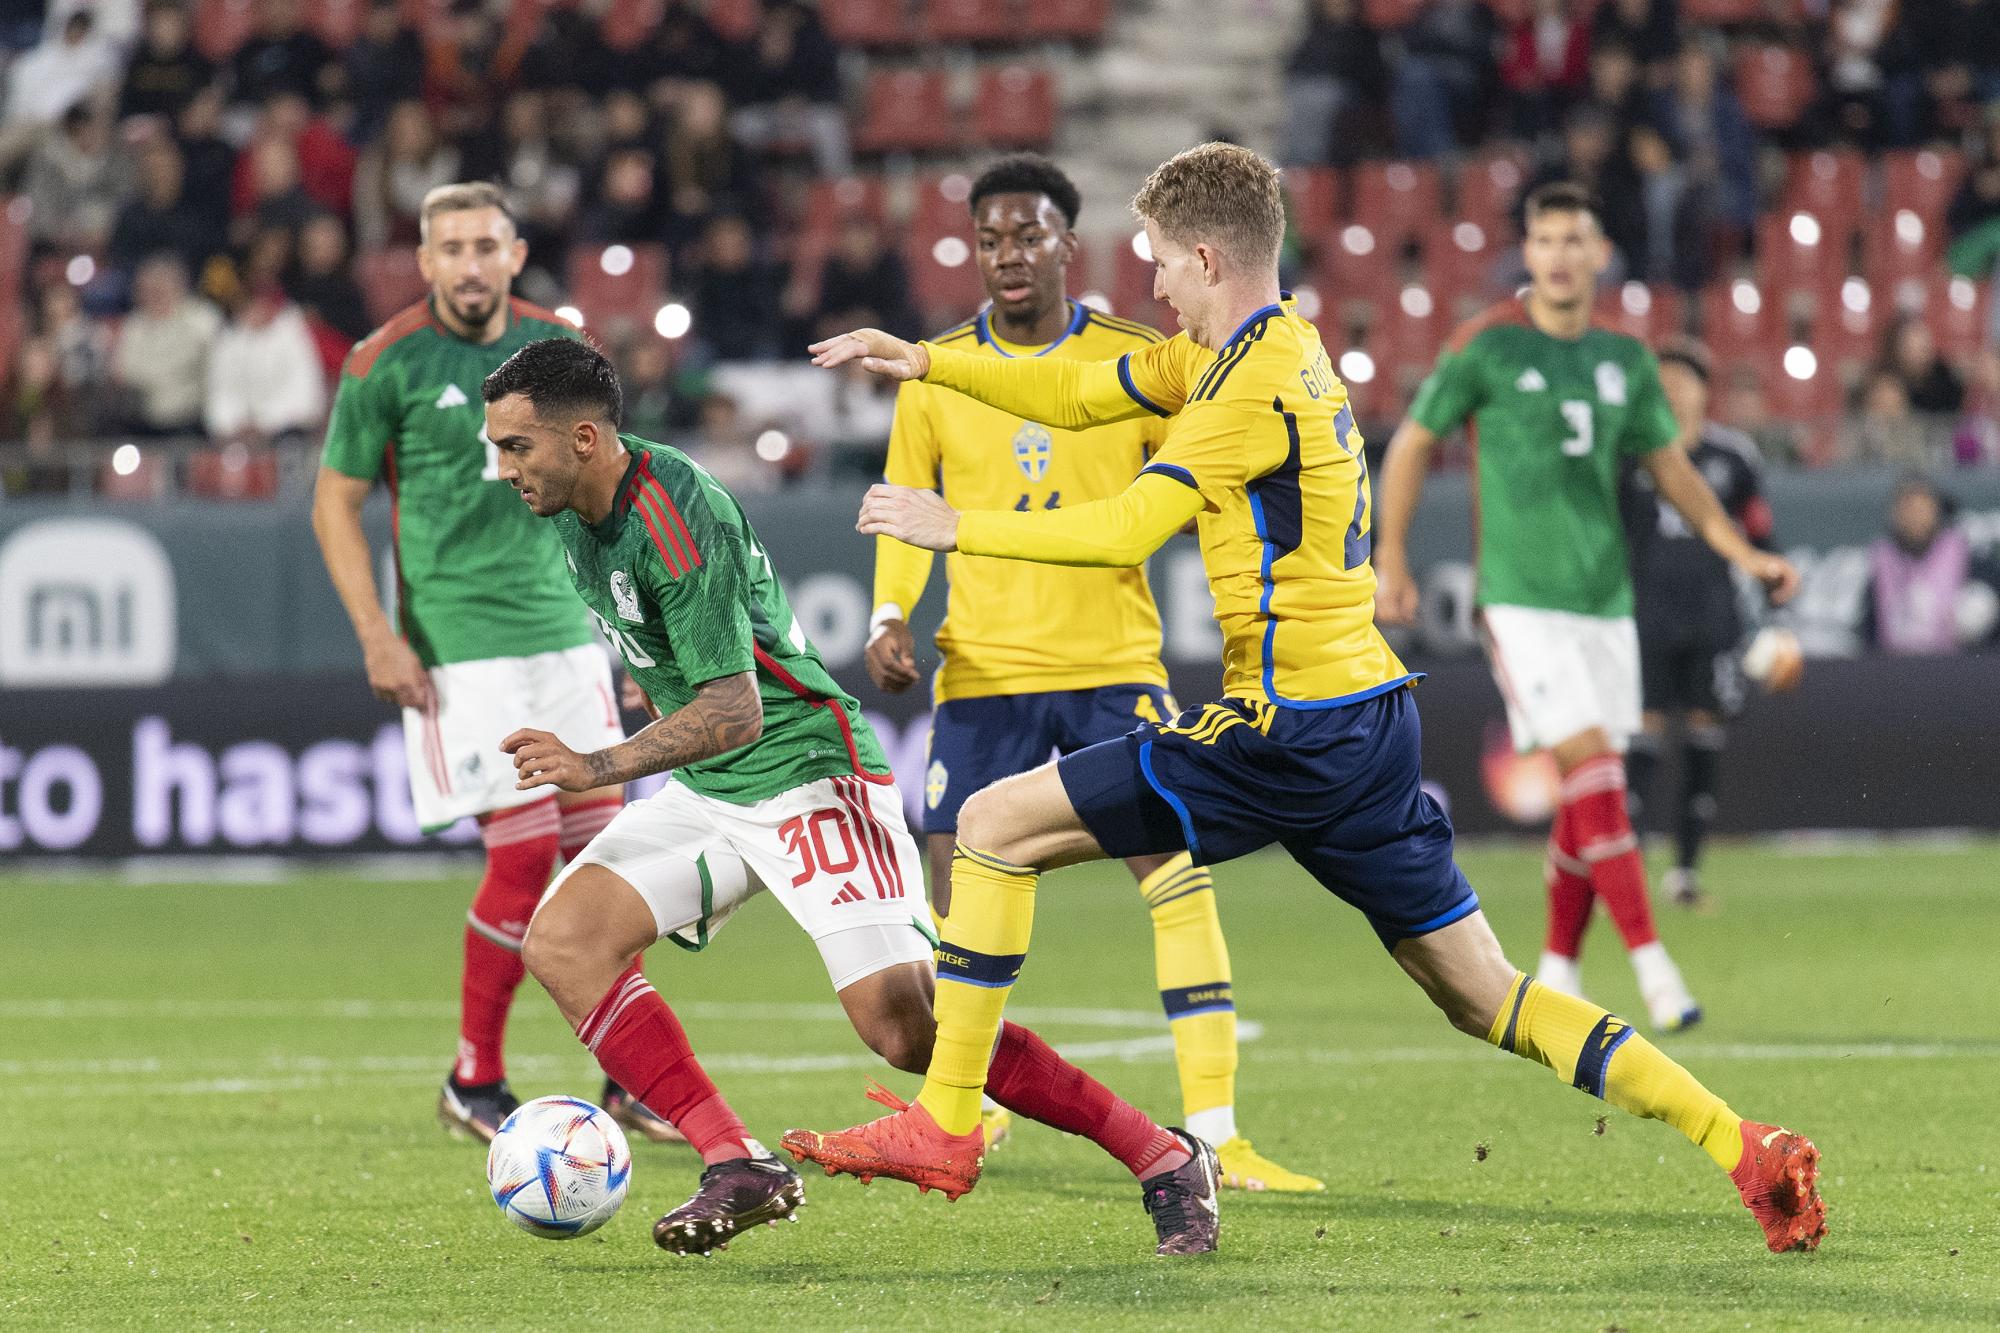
{"x": 835, "y": 852}
{"x": 456, "y": 767}
{"x": 1562, "y": 674}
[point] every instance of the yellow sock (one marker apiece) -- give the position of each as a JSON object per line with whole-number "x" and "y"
{"x": 1191, "y": 961}
{"x": 1579, "y": 1041}
{"x": 985, "y": 941}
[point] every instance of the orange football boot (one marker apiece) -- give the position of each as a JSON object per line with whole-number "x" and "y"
{"x": 1779, "y": 1181}
{"x": 907, "y": 1145}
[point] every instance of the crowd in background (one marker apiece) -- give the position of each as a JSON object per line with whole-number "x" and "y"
{"x": 197, "y": 231}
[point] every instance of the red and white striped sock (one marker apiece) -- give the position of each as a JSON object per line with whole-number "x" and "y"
{"x": 1567, "y": 878}
{"x": 643, "y": 1049}
{"x": 1593, "y": 797}
{"x": 520, "y": 854}
{"x": 585, "y": 820}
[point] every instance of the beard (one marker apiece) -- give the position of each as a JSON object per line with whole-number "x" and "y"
{"x": 474, "y": 311}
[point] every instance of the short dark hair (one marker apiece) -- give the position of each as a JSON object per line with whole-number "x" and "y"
{"x": 1028, "y": 173}
{"x": 1689, "y": 352}
{"x": 1564, "y": 197}
{"x": 562, "y": 377}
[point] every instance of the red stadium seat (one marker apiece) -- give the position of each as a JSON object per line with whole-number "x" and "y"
{"x": 1132, "y": 291}
{"x": 1487, "y": 187}
{"x": 1719, "y": 13}
{"x": 1799, "y": 252}
{"x": 1397, "y": 200}
{"x": 829, "y": 199}
{"x": 737, "y": 19}
{"x": 1776, "y": 84}
{"x": 944, "y": 278}
{"x": 1314, "y": 194}
{"x": 1847, "y": 324}
{"x": 624, "y": 24}
{"x": 1832, "y": 186}
{"x": 146, "y": 482}
{"x": 1383, "y": 15}
{"x": 869, "y": 23}
{"x": 1960, "y": 313}
{"x": 1070, "y": 20}
{"x": 618, "y": 284}
{"x": 1015, "y": 107}
{"x": 233, "y": 473}
{"x": 1902, "y": 247}
{"x": 220, "y": 26}
{"x": 938, "y": 205}
{"x": 389, "y": 280}
{"x": 972, "y": 22}
{"x": 1651, "y": 314}
{"x": 15, "y": 211}
{"x": 1459, "y": 259}
{"x": 1813, "y": 399}
{"x": 1739, "y": 320}
{"x": 1357, "y": 275}
{"x": 907, "y": 110}
{"x": 336, "y": 22}
{"x": 1405, "y": 339}
{"x": 1922, "y": 179}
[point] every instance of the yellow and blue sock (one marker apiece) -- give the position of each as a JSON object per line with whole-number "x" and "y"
{"x": 1191, "y": 963}
{"x": 1605, "y": 1057}
{"x": 985, "y": 942}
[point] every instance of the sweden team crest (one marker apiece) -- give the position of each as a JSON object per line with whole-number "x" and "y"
{"x": 1033, "y": 450}
{"x": 934, "y": 784}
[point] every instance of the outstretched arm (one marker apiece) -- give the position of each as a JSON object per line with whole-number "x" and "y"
{"x": 724, "y": 715}
{"x": 1682, "y": 487}
{"x": 1120, "y": 531}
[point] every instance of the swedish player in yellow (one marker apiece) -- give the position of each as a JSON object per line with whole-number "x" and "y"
{"x": 1085, "y": 665}
{"x": 1315, "y": 743}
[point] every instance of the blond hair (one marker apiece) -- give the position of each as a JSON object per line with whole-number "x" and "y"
{"x": 462, "y": 197}
{"x": 1219, "y": 194}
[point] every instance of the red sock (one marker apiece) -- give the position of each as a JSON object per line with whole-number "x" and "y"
{"x": 1567, "y": 877}
{"x": 642, "y": 1048}
{"x": 1594, "y": 797}
{"x": 520, "y": 853}
{"x": 1028, "y": 1076}
{"x": 584, "y": 821}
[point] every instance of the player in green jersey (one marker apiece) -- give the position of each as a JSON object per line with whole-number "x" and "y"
{"x": 1555, "y": 408}
{"x": 778, "y": 784}
{"x": 487, "y": 630}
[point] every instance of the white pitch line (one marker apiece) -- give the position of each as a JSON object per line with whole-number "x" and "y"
{"x": 1696, "y": 1051}
{"x": 201, "y": 1011}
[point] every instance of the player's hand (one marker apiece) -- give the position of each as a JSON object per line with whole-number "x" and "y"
{"x": 397, "y": 675}
{"x": 1779, "y": 576}
{"x": 921, "y": 518}
{"x": 879, "y": 353}
{"x": 891, "y": 656}
{"x": 634, "y": 699}
{"x": 1395, "y": 593}
{"x": 542, "y": 760}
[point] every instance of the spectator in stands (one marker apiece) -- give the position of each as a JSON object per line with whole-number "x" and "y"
{"x": 265, "y": 385}
{"x": 1336, "y": 67}
{"x": 280, "y": 56}
{"x": 735, "y": 294}
{"x": 466, "y": 69}
{"x": 702, "y": 170}
{"x": 726, "y": 445}
{"x": 1749, "y": 410}
{"x": 646, "y": 371}
{"x": 322, "y": 284}
{"x": 1616, "y": 86}
{"x": 1883, "y": 431}
{"x": 1958, "y": 56}
{"x": 1863, "y": 43}
{"x": 380, "y": 68}
{"x": 160, "y": 359}
{"x": 76, "y": 348}
{"x": 683, "y": 48}
{"x": 787, "y": 86}
{"x": 542, "y": 181}
{"x": 1910, "y": 353}
{"x": 398, "y": 170}
{"x": 1546, "y": 65}
{"x": 73, "y": 65}
{"x": 208, "y": 163}
{"x": 1442, "y": 70}
{"x": 1592, "y": 155}
{"x": 567, "y": 56}
{"x": 326, "y": 161}
{"x": 166, "y": 71}
{"x": 864, "y": 283}
{"x": 273, "y": 195}
{"x": 1918, "y": 576}
{"x": 1649, "y": 29}
{"x": 1671, "y": 245}
{"x": 1715, "y": 140}
{"x": 1976, "y": 441}
{"x": 1977, "y": 203}
{"x": 162, "y": 218}
{"x": 627, "y": 206}
{"x": 75, "y": 183}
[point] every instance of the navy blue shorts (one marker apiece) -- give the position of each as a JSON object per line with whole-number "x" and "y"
{"x": 1338, "y": 788}
{"x": 977, "y": 742}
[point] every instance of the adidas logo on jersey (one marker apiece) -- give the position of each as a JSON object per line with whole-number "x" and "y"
{"x": 1531, "y": 381}
{"x": 453, "y": 396}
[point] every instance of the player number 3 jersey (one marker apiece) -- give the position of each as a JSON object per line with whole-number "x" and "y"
{"x": 679, "y": 584}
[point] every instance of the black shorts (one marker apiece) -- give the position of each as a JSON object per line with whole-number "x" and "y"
{"x": 1338, "y": 788}
{"x": 1701, "y": 674}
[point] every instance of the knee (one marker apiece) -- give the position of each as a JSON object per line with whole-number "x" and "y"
{"x": 981, "y": 823}
{"x": 558, "y": 943}
{"x": 904, "y": 1041}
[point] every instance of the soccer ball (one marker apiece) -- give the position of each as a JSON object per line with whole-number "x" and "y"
{"x": 558, "y": 1168}
{"x": 1775, "y": 660}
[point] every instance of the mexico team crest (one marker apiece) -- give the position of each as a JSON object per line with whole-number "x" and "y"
{"x": 621, "y": 593}
{"x": 1033, "y": 450}
{"x": 1611, "y": 383}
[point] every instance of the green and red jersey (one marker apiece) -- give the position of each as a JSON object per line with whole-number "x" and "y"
{"x": 479, "y": 575}
{"x": 1552, "y": 421}
{"x": 677, "y": 580}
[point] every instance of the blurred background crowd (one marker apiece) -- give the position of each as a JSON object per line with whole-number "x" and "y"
{"x": 206, "y": 202}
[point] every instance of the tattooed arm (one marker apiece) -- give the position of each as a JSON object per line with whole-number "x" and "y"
{"x": 724, "y": 715}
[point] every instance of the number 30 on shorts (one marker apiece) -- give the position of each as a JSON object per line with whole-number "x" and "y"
{"x": 825, "y": 845}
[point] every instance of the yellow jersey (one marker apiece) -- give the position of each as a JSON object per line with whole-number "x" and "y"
{"x": 1263, "y": 450}
{"x": 1013, "y": 628}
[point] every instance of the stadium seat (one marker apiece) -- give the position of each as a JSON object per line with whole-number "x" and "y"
{"x": 1830, "y": 185}
{"x": 1397, "y": 200}
{"x": 389, "y": 280}
{"x": 15, "y": 211}
{"x": 1776, "y": 84}
{"x": 907, "y": 110}
{"x": 1739, "y": 320}
{"x": 868, "y": 23}
{"x": 1902, "y": 247}
{"x": 1385, "y": 15}
{"x": 624, "y": 24}
{"x": 1814, "y": 400}
{"x": 1650, "y": 313}
{"x": 618, "y": 284}
{"x": 1459, "y": 259}
{"x": 1132, "y": 291}
{"x": 1922, "y": 179}
{"x": 336, "y": 22}
{"x": 1405, "y": 337}
{"x": 1799, "y": 251}
{"x": 1314, "y": 194}
{"x": 148, "y": 481}
{"x": 1357, "y": 275}
{"x": 233, "y": 474}
{"x": 971, "y": 22}
{"x": 1065, "y": 20}
{"x": 944, "y": 279}
{"x": 1015, "y": 107}
{"x": 1488, "y": 185}
{"x": 1960, "y": 313}
{"x": 1847, "y": 324}
{"x": 1719, "y": 13}
{"x": 737, "y": 19}
{"x": 220, "y": 26}
{"x": 829, "y": 199}
{"x": 938, "y": 205}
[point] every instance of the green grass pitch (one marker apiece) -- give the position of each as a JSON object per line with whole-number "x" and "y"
{"x": 219, "y": 1104}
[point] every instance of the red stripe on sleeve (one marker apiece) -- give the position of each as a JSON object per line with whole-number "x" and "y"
{"x": 669, "y": 519}
{"x": 676, "y": 524}
{"x": 653, "y": 525}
